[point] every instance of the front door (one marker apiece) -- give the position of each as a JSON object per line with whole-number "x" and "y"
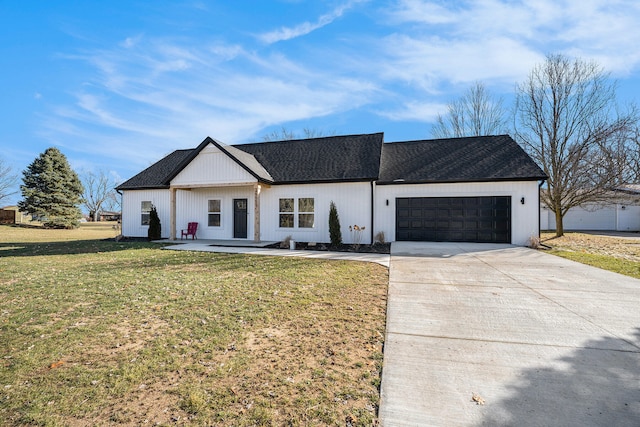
{"x": 239, "y": 218}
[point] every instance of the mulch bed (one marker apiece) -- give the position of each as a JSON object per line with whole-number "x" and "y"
{"x": 376, "y": 248}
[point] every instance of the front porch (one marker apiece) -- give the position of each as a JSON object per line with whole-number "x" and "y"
{"x": 235, "y": 209}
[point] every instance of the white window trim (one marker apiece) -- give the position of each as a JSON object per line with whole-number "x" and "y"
{"x": 296, "y": 213}
{"x": 213, "y": 212}
{"x": 292, "y": 213}
{"x": 143, "y": 211}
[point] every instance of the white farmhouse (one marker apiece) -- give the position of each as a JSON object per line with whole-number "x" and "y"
{"x": 476, "y": 189}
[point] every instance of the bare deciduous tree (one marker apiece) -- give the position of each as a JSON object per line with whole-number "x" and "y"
{"x": 8, "y": 181}
{"x": 476, "y": 113}
{"x": 568, "y": 120}
{"x": 285, "y": 135}
{"x": 99, "y": 192}
{"x": 633, "y": 156}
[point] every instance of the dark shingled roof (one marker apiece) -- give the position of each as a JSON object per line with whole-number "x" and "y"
{"x": 472, "y": 159}
{"x": 361, "y": 158}
{"x": 334, "y": 158}
{"x": 155, "y": 176}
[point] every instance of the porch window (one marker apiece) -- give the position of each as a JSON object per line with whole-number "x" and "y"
{"x": 214, "y": 212}
{"x": 286, "y": 213}
{"x": 145, "y": 208}
{"x": 306, "y": 216}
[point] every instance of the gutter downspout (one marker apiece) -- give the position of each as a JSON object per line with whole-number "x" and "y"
{"x": 539, "y": 188}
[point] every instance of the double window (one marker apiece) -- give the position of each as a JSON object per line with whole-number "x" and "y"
{"x": 214, "y": 212}
{"x": 297, "y": 212}
{"x": 145, "y": 208}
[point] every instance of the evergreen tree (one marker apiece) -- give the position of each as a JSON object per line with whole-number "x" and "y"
{"x": 52, "y": 190}
{"x": 155, "y": 228}
{"x": 335, "y": 234}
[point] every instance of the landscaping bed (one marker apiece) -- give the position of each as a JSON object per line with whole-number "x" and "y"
{"x": 377, "y": 248}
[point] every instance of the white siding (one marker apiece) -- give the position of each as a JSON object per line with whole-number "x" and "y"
{"x": 192, "y": 206}
{"x": 524, "y": 218}
{"x": 353, "y": 201}
{"x": 545, "y": 215}
{"x": 212, "y": 167}
{"x": 131, "y": 211}
{"x": 628, "y": 218}
{"x": 608, "y": 217}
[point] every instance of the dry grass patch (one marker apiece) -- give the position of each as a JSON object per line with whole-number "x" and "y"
{"x": 106, "y": 333}
{"x": 621, "y": 255}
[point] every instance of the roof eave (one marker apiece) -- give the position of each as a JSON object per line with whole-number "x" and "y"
{"x": 325, "y": 181}
{"x": 454, "y": 181}
{"x": 143, "y": 187}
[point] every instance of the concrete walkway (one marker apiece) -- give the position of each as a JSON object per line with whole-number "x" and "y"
{"x": 207, "y": 246}
{"x": 534, "y": 339}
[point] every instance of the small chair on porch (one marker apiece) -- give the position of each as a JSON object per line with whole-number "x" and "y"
{"x": 192, "y": 227}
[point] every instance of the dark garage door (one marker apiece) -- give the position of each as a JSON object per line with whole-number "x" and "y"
{"x": 454, "y": 219}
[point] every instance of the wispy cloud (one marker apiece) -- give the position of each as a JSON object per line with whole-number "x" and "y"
{"x": 593, "y": 29}
{"x": 287, "y": 33}
{"x": 155, "y": 96}
{"x": 415, "y": 111}
{"x": 147, "y": 96}
{"x": 440, "y": 48}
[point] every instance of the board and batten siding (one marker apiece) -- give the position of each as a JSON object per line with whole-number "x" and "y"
{"x": 131, "y": 211}
{"x": 212, "y": 167}
{"x": 353, "y": 202}
{"x": 524, "y": 217}
{"x": 192, "y": 206}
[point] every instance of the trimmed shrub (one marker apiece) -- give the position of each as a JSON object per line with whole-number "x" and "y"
{"x": 335, "y": 234}
{"x": 155, "y": 228}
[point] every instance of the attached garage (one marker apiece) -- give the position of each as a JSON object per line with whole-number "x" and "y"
{"x": 454, "y": 219}
{"x": 477, "y": 189}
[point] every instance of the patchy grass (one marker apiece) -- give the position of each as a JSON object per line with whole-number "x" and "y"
{"x": 610, "y": 253}
{"x": 96, "y": 332}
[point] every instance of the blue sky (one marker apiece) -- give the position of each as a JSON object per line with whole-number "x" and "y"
{"x": 116, "y": 85}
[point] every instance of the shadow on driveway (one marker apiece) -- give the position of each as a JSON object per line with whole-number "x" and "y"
{"x": 597, "y": 387}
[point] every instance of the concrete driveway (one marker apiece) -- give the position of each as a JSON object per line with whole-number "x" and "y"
{"x": 535, "y": 339}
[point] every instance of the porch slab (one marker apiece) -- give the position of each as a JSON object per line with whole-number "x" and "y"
{"x": 225, "y": 243}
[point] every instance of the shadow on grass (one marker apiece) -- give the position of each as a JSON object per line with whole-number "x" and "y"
{"x": 596, "y": 386}
{"x": 73, "y": 247}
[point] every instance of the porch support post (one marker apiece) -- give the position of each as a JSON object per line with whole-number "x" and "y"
{"x": 256, "y": 213}
{"x": 172, "y": 214}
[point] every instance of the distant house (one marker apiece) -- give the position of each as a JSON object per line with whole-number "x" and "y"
{"x": 620, "y": 213}
{"x": 12, "y": 215}
{"x": 478, "y": 189}
{"x": 109, "y": 216}
{"x": 105, "y": 216}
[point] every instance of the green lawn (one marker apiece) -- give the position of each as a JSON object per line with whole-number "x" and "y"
{"x": 95, "y": 332}
{"x": 609, "y": 253}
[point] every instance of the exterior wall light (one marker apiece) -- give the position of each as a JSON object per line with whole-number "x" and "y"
{"x": 522, "y": 200}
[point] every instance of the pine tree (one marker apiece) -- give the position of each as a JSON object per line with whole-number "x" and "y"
{"x": 155, "y": 228}
{"x": 335, "y": 234}
{"x": 52, "y": 190}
